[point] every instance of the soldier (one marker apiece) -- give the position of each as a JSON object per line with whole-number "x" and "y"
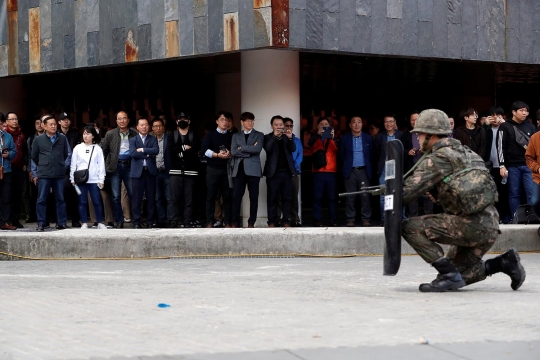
{"x": 470, "y": 222}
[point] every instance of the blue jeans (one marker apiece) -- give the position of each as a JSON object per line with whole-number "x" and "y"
{"x": 163, "y": 197}
{"x": 519, "y": 177}
{"x": 535, "y": 199}
{"x": 122, "y": 174}
{"x": 44, "y": 186}
{"x": 382, "y": 182}
{"x": 96, "y": 201}
{"x": 324, "y": 183}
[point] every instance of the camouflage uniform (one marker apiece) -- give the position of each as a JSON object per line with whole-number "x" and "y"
{"x": 470, "y": 236}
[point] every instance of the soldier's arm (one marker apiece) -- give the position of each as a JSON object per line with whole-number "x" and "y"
{"x": 432, "y": 170}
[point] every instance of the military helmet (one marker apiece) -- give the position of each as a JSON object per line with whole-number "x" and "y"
{"x": 432, "y": 121}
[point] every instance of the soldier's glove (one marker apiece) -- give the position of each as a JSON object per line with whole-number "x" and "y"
{"x": 380, "y": 191}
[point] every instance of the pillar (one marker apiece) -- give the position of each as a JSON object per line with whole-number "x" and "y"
{"x": 270, "y": 85}
{"x": 12, "y": 96}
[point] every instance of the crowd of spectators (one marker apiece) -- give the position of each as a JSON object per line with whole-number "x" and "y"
{"x": 150, "y": 175}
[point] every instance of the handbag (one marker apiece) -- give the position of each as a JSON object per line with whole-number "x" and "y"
{"x": 319, "y": 157}
{"x": 521, "y": 139}
{"x": 81, "y": 176}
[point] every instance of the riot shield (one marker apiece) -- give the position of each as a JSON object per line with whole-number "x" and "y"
{"x": 393, "y": 207}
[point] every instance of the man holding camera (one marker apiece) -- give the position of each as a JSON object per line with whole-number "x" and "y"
{"x": 279, "y": 170}
{"x": 216, "y": 147}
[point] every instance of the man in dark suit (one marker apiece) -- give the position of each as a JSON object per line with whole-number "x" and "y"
{"x": 355, "y": 153}
{"x": 163, "y": 164}
{"x": 390, "y": 133}
{"x": 279, "y": 169}
{"x": 143, "y": 149}
{"x": 246, "y": 168}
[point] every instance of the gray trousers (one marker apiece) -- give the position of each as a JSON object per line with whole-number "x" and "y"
{"x": 358, "y": 178}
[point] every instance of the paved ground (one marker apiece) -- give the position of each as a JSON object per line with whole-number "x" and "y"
{"x": 259, "y": 309}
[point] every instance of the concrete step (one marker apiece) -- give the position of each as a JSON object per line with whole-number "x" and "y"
{"x": 166, "y": 243}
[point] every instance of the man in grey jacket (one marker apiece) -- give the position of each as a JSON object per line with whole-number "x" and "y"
{"x": 115, "y": 147}
{"x": 52, "y": 155}
{"x": 246, "y": 168}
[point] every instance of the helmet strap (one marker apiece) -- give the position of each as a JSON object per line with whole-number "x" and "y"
{"x": 425, "y": 143}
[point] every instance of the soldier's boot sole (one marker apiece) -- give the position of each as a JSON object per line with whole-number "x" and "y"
{"x": 444, "y": 282}
{"x": 511, "y": 266}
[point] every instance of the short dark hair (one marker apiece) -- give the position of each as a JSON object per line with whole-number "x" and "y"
{"x": 414, "y": 112}
{"x": 125, "y": 112}
{"x": 2, "y": 117}
{"x": 9, "y": 113}
{"x": 467, "y": 113}
{"x": 274, "y": 118}
{"x": 229, "y": 115}
{"x": 219, "y": 113}
{"x": 247, "y": 116}
{"x": 355, "y": 116}
{"x": 288, "y": 119}
{"x": 321, "y": 119}
{"x": 496, "y": 110}
{"x": 90, "y": 129}
{"x": 390, "y": 114}
{"x": 516, "y": 105}
{"x": 142, "y": 118}
{"x": 538, "y": 114}
{"x": 46, "y": 118}
{"x": 157, "y": 119}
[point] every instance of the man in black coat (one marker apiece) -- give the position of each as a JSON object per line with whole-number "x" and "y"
{"x": 279, "y": 169}
{"x": 381, "y": 139}
{"x": 52, "y": 155}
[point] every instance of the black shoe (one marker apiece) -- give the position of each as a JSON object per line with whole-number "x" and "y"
{"x": 61, "y": 227}
{"x": 448, "y": 279}
{"x": 17, "y": 224}
{"x": 119, "y": 225}
{"x": 40, "y": 227}
{"x": 172, "y": 225}
{"x": 110, "y": 225}
{"x": 137, "y": 226}
{"x": 510, "y": 264}
{"x": 76, "y": 224}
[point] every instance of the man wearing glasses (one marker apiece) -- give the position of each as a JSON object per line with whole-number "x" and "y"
{"x": 163, "y": 194}
{"x": 390, "y": 133}
{"x": 52, "y": 156}
{"x": 298, "y": 156}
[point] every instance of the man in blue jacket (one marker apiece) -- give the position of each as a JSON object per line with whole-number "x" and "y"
{"x": 9, "y": 151}
{"x": 143, "y": 149}
{"x": 355, "y": 154}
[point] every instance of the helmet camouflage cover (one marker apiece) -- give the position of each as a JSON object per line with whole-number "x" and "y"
{"x": 432, "y": 121}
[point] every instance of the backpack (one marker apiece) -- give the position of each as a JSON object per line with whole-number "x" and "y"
{"x": 471, "y": 184}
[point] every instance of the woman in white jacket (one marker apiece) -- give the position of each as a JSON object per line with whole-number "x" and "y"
{"x": 96, "y": 174}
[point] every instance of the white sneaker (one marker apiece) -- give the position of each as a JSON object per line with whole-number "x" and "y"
{"x": 101, "y": 226}
{"x": 84, "y": 226}
{"x": 127, "y": 220}
{"x": 218, "y": 224}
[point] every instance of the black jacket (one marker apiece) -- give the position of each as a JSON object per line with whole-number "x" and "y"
{"x": 73, "y": 137}
{"x": 510, "y": 153}
{"x": 183, "y": 162}
{"x": 478, "y": 144}
{"x": 51, "y": 159}
{"x": 380, "y": 149}
{"x": 272, "y": 154}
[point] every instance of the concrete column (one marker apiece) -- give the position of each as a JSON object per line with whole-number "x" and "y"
{"x": 270, "y": 86}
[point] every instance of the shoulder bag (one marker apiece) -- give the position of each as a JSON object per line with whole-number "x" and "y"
{"x": 319, "y": 156}
{"x": 81, "y": 176}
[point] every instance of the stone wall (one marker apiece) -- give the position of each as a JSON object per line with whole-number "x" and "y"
{"x": 46, "y": 35}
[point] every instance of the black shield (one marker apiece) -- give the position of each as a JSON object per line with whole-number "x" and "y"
{"x": 393, "y": 207}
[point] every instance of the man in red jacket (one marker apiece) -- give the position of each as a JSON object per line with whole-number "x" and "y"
{"x": 19, "y": 178}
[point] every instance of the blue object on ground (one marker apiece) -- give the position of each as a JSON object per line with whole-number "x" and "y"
{"x": 163, "y": 305}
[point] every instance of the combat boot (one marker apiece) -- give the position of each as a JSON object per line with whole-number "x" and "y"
{"x": 508, "y": 263}
{"x": 448, "y": 279}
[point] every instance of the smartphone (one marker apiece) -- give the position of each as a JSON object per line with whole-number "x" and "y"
{"x": 4, "y": 151}
{"x": 222, "y": 148}
{"x": 327, "y": 132}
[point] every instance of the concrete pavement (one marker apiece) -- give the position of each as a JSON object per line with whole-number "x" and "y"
{"x": 144, "y": 243}
{"x": 260, "y": 309}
